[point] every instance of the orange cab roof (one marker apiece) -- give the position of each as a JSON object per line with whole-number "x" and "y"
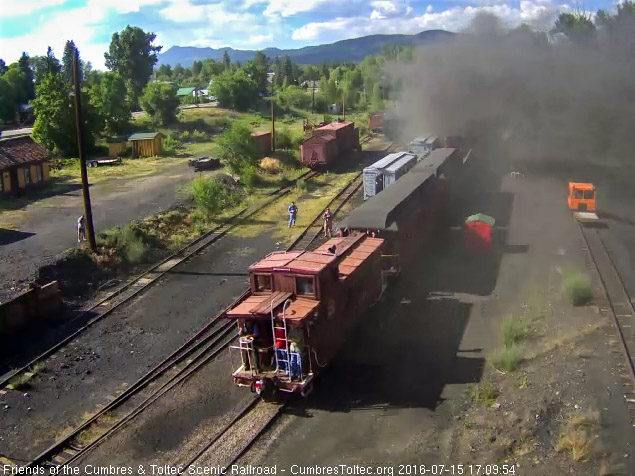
{"x": 299, "y": 309}
{"x": 582, "y": 186}
{"x": 353, "y": 260}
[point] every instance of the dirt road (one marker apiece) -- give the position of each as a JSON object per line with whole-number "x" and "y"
{"x": 47, "y": 226}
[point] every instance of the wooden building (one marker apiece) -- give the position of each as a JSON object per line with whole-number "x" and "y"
{"x": 262, "y": 140}
{"x": 146, "y": 144}
{"x": 117, "y": 146}
{"x": 24, "y": 164}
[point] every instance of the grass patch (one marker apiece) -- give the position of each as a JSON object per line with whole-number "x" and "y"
{"x": 513, "y": 330}
{"x": 485, "y": 393}
{"x": 577, "y": 287}
{"x": 211, "y": 197}
{"x": 575, "y": 437}
{"x": 23, "y": 380}
{"x": 302, "y": 185}
{"x": 506, "y": 359}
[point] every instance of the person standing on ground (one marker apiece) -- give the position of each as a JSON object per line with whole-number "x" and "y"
{"x": 293, "y": 213}
{"x": 328, "y": 223}
{"x": 81, "y": 229}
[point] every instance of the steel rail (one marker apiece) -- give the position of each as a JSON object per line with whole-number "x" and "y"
{"x": 219, "y": 231}
{"x": 610, "y": 299}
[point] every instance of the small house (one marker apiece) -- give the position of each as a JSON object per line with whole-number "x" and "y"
{"x": 146, "y": 144}
{"x": 262, "y": 140}
{"x": 24, "y": 164}
{"x": 117, "y": 145}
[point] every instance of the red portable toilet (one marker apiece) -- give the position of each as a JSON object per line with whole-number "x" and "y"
{"x": 478, "y": 233}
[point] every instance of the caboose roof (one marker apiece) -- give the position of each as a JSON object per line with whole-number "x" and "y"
{"x": 307, "y": 262}
{"x": 335, "y": 126}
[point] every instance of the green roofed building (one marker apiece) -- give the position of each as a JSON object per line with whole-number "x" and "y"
{"x": 146, "y": 144}
{"x": 182, "y": 92}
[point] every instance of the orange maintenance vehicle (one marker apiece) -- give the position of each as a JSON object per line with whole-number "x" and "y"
{"x": 581, "y": 200}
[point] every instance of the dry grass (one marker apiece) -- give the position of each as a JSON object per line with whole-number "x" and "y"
{"x": 23, "y": 380}
{"x": 484, "y": 392}
{"x": 575, "y": 437}
{"x": 270, "y": 165}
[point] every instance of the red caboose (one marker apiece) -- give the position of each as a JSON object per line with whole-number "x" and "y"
{"x": 299, "y": 310}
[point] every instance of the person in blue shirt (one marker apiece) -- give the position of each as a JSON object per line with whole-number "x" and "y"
{"x": 293, "y": 213}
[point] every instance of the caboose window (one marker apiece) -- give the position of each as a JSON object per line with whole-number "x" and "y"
{"x": 577, "y": 193}
{"x": 588, "y": 194}
{"x": 263, "y": 282}
{"x": 305, "y": 286}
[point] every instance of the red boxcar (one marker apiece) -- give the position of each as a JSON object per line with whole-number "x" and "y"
{"x": 320, "y": 149}
{"x": 317, "y": 152}
{"x": 263, "y": 141}
{"x": 300, "y": 309}
{"x": 376, "y": 122}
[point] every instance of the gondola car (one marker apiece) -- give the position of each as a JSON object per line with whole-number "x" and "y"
{"x": 299, "y": 310}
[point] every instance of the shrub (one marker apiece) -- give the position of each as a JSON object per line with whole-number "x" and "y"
{"x": 127, "y": 240}
{"x": 513, "y": 331}
{"x": 577, "y": 287}
{"x": 199, "y": 136}
{"x": 506, "y": 359}
{"x": 577, "y": 443}
{"x": 283, "y": 139}
{"x": 210, "y": 197}
{"x": 484, "y": 392}
{"x": 186, "y": 136}
{"x": 270, "y": 165}
{"x": 249, "y": 176}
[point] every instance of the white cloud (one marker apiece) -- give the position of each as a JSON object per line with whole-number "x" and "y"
{"x": 122, "y": 6}
{"x": 16, "y": 8}
{"x": 216, "y": 15}
{"x": 453, "y": 19}
{"x": 287, "y": 8}
{"x": 383, "y": 9}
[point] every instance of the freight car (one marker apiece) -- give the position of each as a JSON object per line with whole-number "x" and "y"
{"x": 299, "y": 310}
{"x": 375, "y": 123}
{"x": 386, "y": 172}
{"x": 329, "y": 144}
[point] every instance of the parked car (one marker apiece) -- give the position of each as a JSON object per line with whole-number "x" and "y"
{"x": 204, "y": 163}
{"x": 103, "y": 161}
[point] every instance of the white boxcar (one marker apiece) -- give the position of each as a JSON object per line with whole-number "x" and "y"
{"x": 386, "y": 171}
{"x": 422, "y": 146}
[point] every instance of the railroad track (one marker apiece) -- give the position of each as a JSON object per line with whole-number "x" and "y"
{"x": 200, "y": 349}
{"x": 618, "y": 304}
{"x": 230, "y": 443}
{"x": 142, "y": 282}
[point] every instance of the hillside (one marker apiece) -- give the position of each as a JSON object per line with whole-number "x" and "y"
{"x": 346, "y": 50}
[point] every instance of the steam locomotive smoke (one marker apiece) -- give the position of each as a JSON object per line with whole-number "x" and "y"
{"x": 536, "y": 97}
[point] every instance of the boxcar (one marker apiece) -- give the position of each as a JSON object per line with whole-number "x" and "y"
{"x": 403, "y": 215}
{"x": 317, "y": 150}
{"x": 375, "y": 122}
{"x": 299, "y": 310}
{"x": 443, "y": 162}
{"x": 386, "y": 171}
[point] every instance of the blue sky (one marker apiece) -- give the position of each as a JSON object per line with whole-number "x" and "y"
{"x": 32, "y": 25}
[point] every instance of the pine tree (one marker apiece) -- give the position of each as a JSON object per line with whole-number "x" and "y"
{"x": 24, "y": 63}
{"x": 3, "y": 67}
{"x": 226, "y": 60}
{"x": 67, "y": 60}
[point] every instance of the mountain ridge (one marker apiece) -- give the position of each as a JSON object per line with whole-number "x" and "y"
{"x": 352, "y": 49}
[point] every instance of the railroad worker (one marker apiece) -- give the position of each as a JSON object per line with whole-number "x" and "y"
{"x": 331, "y": 249}
{"x": 328, "y": 223}
{"x": 296, "y": 364}
{"x": 293, "y": 213}
{"x": 81, "y": 229}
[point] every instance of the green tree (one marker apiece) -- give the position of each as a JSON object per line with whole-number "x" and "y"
{"x": 625, "y": 15}
{"x": 43, "y": 65}
{"x": 55, "y": 117}
{"x": 3, "y": 67}
{"x": 227, "y": 62}
{"x": 178, "y": 72}
{"x": 18, "y": 84}
{"x": 133, "y": 55}
{"x": 235, "y": 89}
{"x": 293, "y": 96}
{"x": 376, "y": 102}
{"x": 24, "y": 63}
{"x": 197, "y": 67}
{"x": 287, "y": 70}
{"x": 108, "y": 97}
{"x": 577, "y": 27}
{"x": 236, "y": 148}
{"x": 257, "y": 70}
{"x": 160, "y": 102}
{"x": 7, "y": 102}
{"x": 67, "y": 60}
{"x": 164, "y": 72}
{"x": 211, "y": 68}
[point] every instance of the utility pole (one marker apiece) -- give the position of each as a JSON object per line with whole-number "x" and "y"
{"x": 344, "y": 105}
{"x": 313, "y": 98}
{"x": 273, "y": 122}
{"x": 88, "y": 213}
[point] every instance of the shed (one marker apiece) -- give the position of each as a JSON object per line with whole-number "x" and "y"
{"x": 182, "y": 92}
{"x": 117, "y": 145}
{"x": 262, "y": 140}
{"x": 375, "y": 122}
{"x": 146, "y": 144}
{"x": 318, "y": 149}
{"x": 24, "y": 164}
{"x": 478, "y": 232}
{"x": 345, "y": 132}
